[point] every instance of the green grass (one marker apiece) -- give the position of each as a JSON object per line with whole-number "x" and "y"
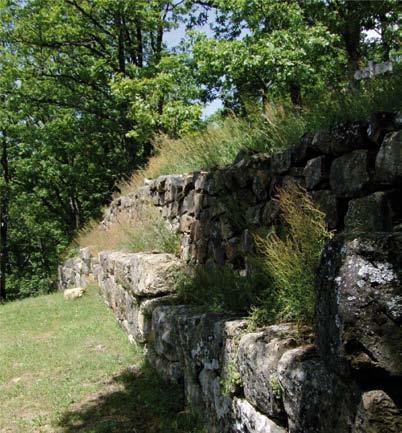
{"x": 291, "y": 260}
{"x": 67, "y": 367}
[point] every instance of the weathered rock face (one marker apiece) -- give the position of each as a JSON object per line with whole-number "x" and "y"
{"x": 315, "y": 399}
{"x": 75, "y": 271}
{"x": 258, "y": 357}
{"x": 360, "y": 304}
{"x": 134, "y": 284}
{"x": 142, "y": 274}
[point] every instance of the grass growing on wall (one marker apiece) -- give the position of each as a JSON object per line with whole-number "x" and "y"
{"x": 143, "y": 231}
{"x": 220, "y": 288}
{"x": 66, "y": 367}
{"x": 291, "y": 261}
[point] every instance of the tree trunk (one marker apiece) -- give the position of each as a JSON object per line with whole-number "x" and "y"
{"x": 295, "y": 95}
{"x": 3, "y": 220}
{"x": 351, "y": 37}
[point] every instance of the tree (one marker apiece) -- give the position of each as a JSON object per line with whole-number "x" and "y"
{"x": 74, "y": 131}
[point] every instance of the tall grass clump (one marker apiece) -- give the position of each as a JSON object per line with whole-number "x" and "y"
{"x": 291, "y": 261}
{"x": 144, "y": 230}
{"x": 220, "y": 142}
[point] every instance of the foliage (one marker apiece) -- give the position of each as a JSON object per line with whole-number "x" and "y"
{"x": 85, "y": 85}
{"x": 220, "y": 288}
{"x": 263, "y": 50}
{"x": 291, "y": 261}
{"x": 142, "y": 231}
{"x": 66, "y": 367}
{"x": 232, "y": 379}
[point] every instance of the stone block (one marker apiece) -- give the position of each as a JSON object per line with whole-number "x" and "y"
{"x": 258, "y": 358}
{"x": 341, "y": 139}
{"x": 314, "y": 399}
{"x": 388, "y": 164}
{"x": 248, "y": 420}
{"x": 327, "y": 203}
{"x": 281, "y": 162}
{"x": 270, "y": 212}
{"x": 316, "y": 172}
{"x": 369, "y": 214}
{"x": 260, "y": 184}
{"x": 143, "y": 274}
{"x": 349, "y": 176}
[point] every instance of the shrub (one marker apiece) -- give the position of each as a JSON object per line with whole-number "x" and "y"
{"x": 291, "y": 261}
{"x": 144, "y": 230}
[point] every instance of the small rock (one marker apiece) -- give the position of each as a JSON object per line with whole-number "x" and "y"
{"x": 75, "y": 293}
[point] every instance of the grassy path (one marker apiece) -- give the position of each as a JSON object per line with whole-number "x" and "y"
{"x": 65, "y": 366}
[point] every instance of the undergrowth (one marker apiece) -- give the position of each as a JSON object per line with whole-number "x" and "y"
{"x": 291, "y": 261}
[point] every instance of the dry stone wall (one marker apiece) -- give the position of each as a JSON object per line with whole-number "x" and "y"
{"x": 353, "y": 172}
{"x": 343, "y": 376}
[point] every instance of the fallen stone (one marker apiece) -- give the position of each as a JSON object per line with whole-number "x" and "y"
{"x": 74, "y": 293}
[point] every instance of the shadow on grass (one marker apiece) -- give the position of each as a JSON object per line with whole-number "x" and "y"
{"x": 136, "y": 401}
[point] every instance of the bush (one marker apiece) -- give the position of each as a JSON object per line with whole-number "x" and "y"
{"x": 291, "y": 261}
{"x": 145, "y": 230}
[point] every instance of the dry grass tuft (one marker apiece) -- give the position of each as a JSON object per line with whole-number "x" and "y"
{"x": 144, "y": 230}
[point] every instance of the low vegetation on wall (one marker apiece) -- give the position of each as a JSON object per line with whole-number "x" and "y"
{"x": 143, "y": 230}
{"x": 291, "y": 260}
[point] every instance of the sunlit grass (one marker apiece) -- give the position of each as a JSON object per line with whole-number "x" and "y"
{"x": 61, "y": 359}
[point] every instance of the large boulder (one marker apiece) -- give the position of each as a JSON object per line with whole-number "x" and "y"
{"x": 142, "y": 274}
{"x": 359, "y": 306}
